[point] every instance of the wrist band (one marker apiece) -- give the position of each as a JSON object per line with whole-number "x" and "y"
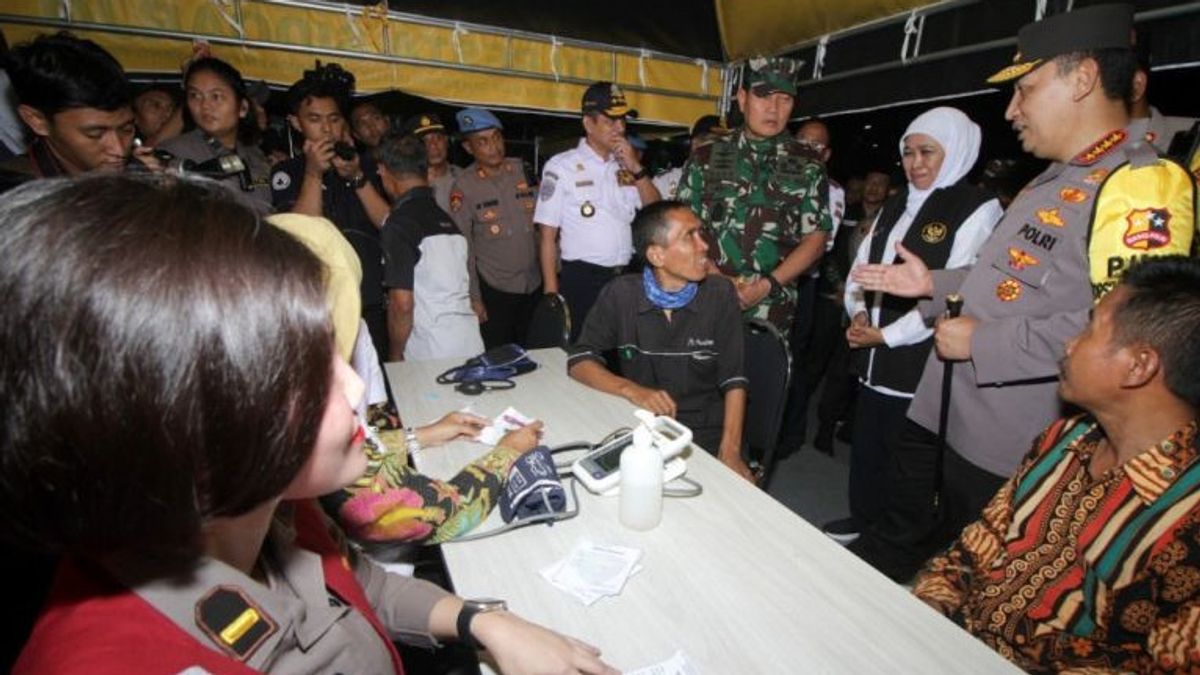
{"x": 776, "y": 287}
{"x": 411, "y": 444}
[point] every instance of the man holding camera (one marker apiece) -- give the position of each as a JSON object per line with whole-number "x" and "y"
{"x": 332, "y": 180}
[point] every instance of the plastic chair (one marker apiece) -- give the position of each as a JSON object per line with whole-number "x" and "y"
{"x": 768, "y": 367}
{"x": 550, "y": 325}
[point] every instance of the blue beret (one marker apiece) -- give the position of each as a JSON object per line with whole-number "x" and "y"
{"x": 476, "y": 119}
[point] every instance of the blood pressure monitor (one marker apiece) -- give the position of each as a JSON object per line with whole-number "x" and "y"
{"x": 600, "y": 469}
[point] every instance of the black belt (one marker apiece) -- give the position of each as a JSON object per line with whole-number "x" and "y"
{"x": 616, "y": 270}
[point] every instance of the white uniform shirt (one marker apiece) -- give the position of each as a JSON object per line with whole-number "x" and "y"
{"x": 580, "y": 196}
{"x": 667, "y": 182}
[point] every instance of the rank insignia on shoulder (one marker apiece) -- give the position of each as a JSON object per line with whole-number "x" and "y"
{"x": 625, "y": 178}
{"x": 1050, "y": 216}
{"x": 232, "y": 620}
{"x": 1072, "y": 195}
{"x": 456, "y": 200}
{"x": 932, "y": 233}
{"x": 1008, "y": 290}
{"x": 1101, "y": 147}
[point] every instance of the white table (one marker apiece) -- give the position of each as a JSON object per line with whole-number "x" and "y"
{"x": 733, "y": 578}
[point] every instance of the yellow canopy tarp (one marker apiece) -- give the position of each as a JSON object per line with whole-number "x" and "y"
{"x": 277, "y": 41}
{"x": 765, "y": 27}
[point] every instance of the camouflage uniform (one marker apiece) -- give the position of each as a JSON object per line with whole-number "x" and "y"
{"x": 757, "y": 198}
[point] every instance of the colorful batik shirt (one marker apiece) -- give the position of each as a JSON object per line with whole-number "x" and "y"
{"x": 757, "y": 198}
{"x": 1065, "y": 572}
{"x": 393, "y": 502}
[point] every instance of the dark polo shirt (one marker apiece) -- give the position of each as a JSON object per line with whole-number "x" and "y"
{"x": 695, "y": 357}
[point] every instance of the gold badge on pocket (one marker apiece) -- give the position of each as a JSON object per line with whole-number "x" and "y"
{"x": 587, "y": 210}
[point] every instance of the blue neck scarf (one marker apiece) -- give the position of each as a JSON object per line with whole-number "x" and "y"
{"x": 666, "y": 299}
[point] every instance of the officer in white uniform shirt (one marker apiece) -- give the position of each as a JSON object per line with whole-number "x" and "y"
{"x": 589, "y": 195}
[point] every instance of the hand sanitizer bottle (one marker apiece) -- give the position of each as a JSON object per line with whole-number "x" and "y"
{"x": 641, "y": 482}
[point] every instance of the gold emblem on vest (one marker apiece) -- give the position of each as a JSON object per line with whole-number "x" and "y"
{"x": 933, "y": 233}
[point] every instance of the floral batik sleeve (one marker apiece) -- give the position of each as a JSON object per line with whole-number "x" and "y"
{"x": 393, "y": 502}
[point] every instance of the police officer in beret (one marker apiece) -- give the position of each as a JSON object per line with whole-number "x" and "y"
{"x": 429, "y": 128}
{"x": 590, "y": 194}
{"x": 1106, "y": 200}
{"x": 492, "y": 202}
{"x": 762, "y": 196}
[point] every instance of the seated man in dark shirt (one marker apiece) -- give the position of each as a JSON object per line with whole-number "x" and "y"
{"x": 677, "y": 332}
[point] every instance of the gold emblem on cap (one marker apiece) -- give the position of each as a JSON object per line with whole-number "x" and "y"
{"x": 425, "y": 121}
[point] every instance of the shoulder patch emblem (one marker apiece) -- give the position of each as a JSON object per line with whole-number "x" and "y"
{"x": 1050, "y": 216}
{"x": 280, "y": 180}
{"x": 233, "y": 621}
{"x": 932, "y": 233}
{"x": 456, "y": 200}
{"x": 547, "y": 189}
{"x": 1148, "y": 229}
{"x": 1072, "y": 195}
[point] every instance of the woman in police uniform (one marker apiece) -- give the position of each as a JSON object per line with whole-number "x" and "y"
{"x": 172, "y": 403}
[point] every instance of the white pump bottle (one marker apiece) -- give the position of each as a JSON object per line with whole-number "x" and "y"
{"x": 641, "y": 482}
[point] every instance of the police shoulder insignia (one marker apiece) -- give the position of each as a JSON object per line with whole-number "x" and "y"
{"x": 1072, "y": 195}
{"x": 1008, "y": 290}
{"x": 933, "y": 233}
{"x": 625, "y": 178}
{"x": 233, "y": 621}
{"x": 456, "y": 200}
{"x": 280, "y": 180}
{"x": 1148, "y": 228}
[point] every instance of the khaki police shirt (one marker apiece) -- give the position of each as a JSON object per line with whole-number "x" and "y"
{"x": 195, "y": 146}
{"x": 495, "y": 212}
{"x": 442, "y": 184}
{"x": 1030, "y": 291}
{"x": 317, "y": 632}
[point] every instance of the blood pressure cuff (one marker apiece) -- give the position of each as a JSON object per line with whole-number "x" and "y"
{"x": 533, "y": 487}
{"x": 498, "y": 363}
{"x": 1145, "y": 207}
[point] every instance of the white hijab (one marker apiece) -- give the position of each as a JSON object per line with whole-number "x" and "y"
{"x": 959, "y": 138}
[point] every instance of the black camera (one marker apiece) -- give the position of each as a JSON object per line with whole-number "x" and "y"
{"x": 345, "y": 151}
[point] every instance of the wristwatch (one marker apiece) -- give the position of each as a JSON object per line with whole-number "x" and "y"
{"x": 644, "y": 173}
{"x": 469, "y": 609}
{"x": 357, "y": 182}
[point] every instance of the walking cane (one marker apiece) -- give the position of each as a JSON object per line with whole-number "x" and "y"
{"x": 954, "y": 303}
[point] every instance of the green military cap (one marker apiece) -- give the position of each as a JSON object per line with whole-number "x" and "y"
{"x": 1091, "y": 28}
{"x": 765, "y": 75}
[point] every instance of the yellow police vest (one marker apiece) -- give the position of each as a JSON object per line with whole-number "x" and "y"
{"x": 1145, "y": 207}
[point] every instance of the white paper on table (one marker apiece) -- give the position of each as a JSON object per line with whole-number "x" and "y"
{"x": 505, "y": 422}
{"x": 591, "y": 572}
{"x": 676, "y": 665}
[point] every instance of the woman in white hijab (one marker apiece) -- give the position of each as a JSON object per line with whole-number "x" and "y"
{"x": 948, "y": 220}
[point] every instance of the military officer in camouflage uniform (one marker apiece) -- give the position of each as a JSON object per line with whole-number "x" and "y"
{"x": 761, "y": 196}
